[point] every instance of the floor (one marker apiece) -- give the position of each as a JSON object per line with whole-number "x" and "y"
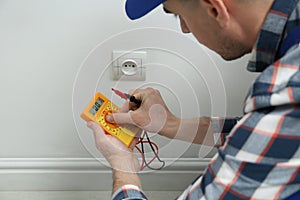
{"x": 78, "y": 195}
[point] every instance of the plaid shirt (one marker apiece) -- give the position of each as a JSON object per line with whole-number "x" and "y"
{"x": 261, "y": 156}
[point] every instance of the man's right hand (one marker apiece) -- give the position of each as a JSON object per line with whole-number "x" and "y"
{"x": 153, "y": 114}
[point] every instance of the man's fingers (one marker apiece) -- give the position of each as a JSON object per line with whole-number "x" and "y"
{"x": 119, "y": 118}
{"x": 97, "y": 130}
{"x": 125, "y": 107}
{"x": 131, "y": 92}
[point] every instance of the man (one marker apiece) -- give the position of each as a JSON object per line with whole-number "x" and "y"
{"x": 261, "y": 156}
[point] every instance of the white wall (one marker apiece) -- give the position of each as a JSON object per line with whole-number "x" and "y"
{"x": 54, "y": 54}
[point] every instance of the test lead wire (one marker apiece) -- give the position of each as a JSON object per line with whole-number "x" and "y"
{"x": 154, "y": 152}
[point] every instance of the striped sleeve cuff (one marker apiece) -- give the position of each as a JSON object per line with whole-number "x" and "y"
{"x": 129, "y": 192}
{"x": 221, "y": 127}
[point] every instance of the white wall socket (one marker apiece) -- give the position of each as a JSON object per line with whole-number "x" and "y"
{"x": 129, "y": 65}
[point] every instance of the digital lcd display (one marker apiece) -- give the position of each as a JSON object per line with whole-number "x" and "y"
{"x": 96, "y": 106}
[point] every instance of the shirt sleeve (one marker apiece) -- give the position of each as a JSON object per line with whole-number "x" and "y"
{"x": 221, "y": 127}
{"x": 129, "y": 192}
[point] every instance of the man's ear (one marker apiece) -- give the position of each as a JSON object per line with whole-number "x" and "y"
{"x": 218, "y": 10}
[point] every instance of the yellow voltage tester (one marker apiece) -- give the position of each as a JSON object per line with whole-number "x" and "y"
{"x": 97, "y": 110}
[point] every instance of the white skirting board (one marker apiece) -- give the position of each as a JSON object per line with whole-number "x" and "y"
{"x": 36, "y": 174}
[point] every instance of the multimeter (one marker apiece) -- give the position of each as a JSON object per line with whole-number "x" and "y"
{"x": 97, "y": 110}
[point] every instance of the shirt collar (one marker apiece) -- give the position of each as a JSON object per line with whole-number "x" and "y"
{"x": 267, "y": 44}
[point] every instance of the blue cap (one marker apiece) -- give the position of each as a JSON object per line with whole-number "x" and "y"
{"x": 138, "y": 8}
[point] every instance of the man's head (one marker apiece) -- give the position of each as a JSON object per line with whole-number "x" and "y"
{"x": 228, "y": 27}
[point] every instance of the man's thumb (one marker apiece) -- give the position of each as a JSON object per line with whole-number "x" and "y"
{"x": 92, "y": 125}
{"x": 97, "y": 129}
{"x": 119, "y": 118}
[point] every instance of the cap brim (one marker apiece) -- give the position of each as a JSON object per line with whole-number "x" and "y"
{"x": 138, "y": 8}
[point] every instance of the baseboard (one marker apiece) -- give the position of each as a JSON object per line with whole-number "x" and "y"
{"x": 33, "y": 174}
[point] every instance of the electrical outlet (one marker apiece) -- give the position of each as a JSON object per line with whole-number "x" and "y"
{"x": 129, "y": 65}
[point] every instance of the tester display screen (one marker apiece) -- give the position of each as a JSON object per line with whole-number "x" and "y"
{"x": 96, "y": 106}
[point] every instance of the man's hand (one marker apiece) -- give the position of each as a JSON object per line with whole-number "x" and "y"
{"x": 116, "y": 153}
{"x": 153, "y": 115}
{"x": 123, "y": 161}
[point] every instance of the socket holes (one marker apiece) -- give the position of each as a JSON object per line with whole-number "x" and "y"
{"x": 129, "y": 67}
